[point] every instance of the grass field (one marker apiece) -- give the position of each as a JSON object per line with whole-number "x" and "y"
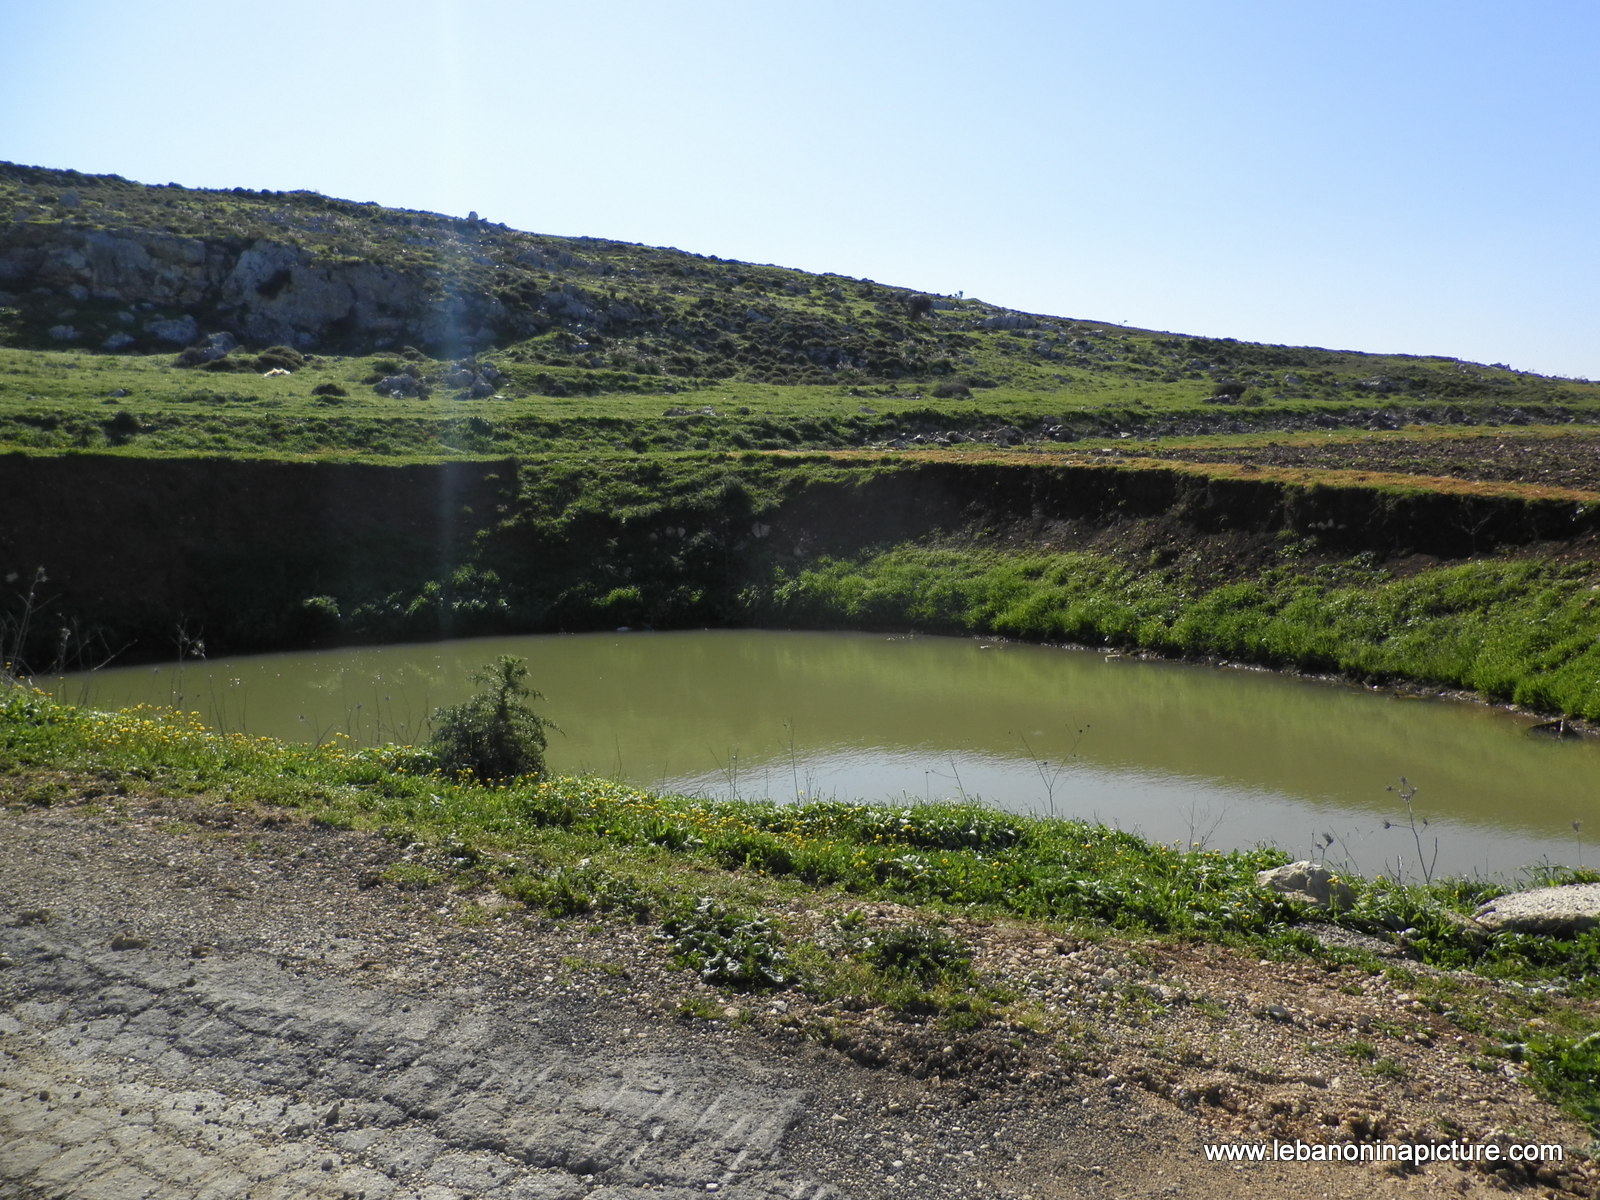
{"x": 63, "y": 400}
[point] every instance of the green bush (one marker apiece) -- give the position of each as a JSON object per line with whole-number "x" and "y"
{"x": 495, "y": 735}
{"x": 285, "y": 358}
{"x": 121, "y": 426}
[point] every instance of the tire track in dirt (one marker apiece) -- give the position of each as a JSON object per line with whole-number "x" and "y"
{"x": 235, "y": 1076}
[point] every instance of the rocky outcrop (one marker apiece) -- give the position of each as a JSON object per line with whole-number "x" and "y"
{"x": 140, "y": 289}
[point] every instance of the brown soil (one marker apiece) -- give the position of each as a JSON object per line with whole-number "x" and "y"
{"x": 1567, "y": 460}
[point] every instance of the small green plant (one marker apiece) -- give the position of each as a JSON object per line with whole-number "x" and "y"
{"x": 699, "y": 1008}
{"x": 729, "y": 948}
{"x": 921, "y": 952}
{"x": 1389, "y": 1068}
{"x": 1567, "y": 1071}
{"x": 412, "y": 876}
{"x": 570, "y": 891}
{"x": 495, "y": 735}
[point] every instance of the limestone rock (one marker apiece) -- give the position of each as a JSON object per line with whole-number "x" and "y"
{"x": 179, "y": 331}
{"x": 1010, "y": 321}
{"x": 398, "y": 387}
{"x": 219, "y": 345}
{"x": 1565, "y": 909}
{"x": 1308, "y": 882}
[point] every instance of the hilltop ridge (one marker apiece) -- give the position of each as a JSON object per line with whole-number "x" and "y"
{"x": 102, "y": 264}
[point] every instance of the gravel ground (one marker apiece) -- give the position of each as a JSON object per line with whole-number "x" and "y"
{"x": 196, "y": 1002}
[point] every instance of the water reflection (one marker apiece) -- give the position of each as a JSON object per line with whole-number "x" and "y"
{"x": 1178, "y": 752}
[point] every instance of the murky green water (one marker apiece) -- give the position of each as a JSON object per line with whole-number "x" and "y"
{"x": 1177, "y": 752}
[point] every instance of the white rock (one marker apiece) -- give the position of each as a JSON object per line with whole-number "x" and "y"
{"x": 1309, "y": 882}
{"x": 1569, "y": 908}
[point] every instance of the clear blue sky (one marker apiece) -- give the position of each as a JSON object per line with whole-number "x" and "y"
{"x": 1419, "y": 176}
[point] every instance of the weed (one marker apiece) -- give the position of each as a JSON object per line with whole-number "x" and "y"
{"x": 924, "y": 953}
{"x": 734, "y": 949}
{"x": 1567, "y": 1072}
{"x": 572, "y": 890}
{"x": 1406, "y": 793}
{"x": 412, "y": 876}
{"x": 700, "y": 1008}
{"x": 1388, "y": 1068}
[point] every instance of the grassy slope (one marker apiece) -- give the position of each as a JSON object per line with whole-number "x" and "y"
{"x": 787, "y": 359}
{"x": 64, "y": 400}
{"x": 1520, "y": 632}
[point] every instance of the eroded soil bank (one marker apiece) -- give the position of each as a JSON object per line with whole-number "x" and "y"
{"x": 206, "y": 1001}
{"x": 143, "y": 558}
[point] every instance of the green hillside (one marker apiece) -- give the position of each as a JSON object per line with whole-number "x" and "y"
{"x": 146, "y": 316}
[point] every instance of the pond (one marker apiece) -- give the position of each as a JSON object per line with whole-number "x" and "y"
{"x": 1177, "y": 752}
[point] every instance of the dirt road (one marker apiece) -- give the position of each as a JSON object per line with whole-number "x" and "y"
{"x": 236, "y": 1013}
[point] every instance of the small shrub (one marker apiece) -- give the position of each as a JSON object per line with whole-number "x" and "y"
{"x": 318, "y": 617}
{"x": 495, "y": 735}
{"x": 328, "y": 389}
{"x": 285, "y": 358}
{"x": 920, "y": 952}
